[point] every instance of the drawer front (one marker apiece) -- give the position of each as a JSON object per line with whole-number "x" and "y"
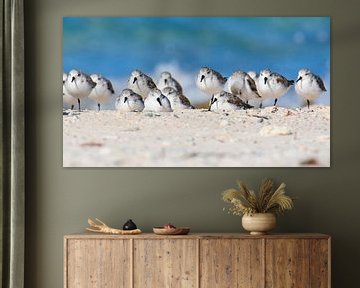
{"x": 231, "y": 263}
{"x": 166, "y": 263}
{"x": 98, "y": 263}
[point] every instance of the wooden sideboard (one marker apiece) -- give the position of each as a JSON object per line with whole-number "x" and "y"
{"x": 197, "y": 260}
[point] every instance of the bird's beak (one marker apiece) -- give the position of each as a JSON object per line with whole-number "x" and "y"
{"x": 135, "y": 79}
{"x": 202, "y": 78}
{"x": 72, "y": 79}
{"x": 298, "y": 79}
{"x": 158, "y": 100}
{"x": 265, "y": 80}
{"x": 125, "y": 99}
{"x": 165, "y": 81}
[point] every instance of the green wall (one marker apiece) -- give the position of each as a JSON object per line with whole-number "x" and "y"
{"x": 60, "y": 200}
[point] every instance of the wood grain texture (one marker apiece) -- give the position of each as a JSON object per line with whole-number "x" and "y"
{"x": 231, "y": 263}
{"x": 287, "y": 263}
{"x": 98, "y": 263}
{"x": 165, "y": 263}
{"x": 197, "y": 260}
{"x": 319, "y": 263}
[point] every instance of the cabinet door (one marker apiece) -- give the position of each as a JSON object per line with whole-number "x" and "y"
{"x": 165, "y": 263}
{"x": 98, "y": 263}
{"x": 287, "y": 263}
{"x": 231, "y": 263}
{"x": 320, "y": 263}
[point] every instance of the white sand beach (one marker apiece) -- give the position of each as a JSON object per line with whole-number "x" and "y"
{"x": 198, "y": 138}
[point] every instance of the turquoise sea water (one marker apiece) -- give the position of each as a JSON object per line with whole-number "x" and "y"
{"x": 114, "y": 46}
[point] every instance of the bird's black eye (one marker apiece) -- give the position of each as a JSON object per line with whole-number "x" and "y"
{"x": 208, "y": 72}
{"x": 99, "y": 79}
{"x": 78, "y": 74}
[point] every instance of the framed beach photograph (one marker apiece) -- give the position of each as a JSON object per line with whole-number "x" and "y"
{"x": 196, "y": 91}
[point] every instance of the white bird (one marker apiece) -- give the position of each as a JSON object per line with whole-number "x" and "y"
{"x": 129, "y": 101}
{"x": 272, "y": 85}
{"x": 210, "y": 81}
{"x": 225, "y": 101}
{"x": 79, "y": 85}
{"x": 166, "y": 80}
{"x": 141, "y": 83}
{"x": 309, "y": 86}
{"x": 157, "y": 102}
{"x": 68, "y": 100}
{"x": 103, "y": 91}
{"x": 243, "y": 86}
{"x": 177, "y": 100}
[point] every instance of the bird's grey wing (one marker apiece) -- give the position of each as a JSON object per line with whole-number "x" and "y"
{"x": 90, "y": 81}
{"x": 252, "y": 85}
{"x": 150, "y": 83}
{"x": 137, "y": 97}
{"x": 238, "y": 102}
{"x": 178, "y": 86}
{"x": 320, "y": 82}
{"x": 109, "y": 86}
{"x": 281, "y": 79}
{"x": 184, "y": 100}
{"x": 220, "y": 77}
{"x": 232, "y": 99}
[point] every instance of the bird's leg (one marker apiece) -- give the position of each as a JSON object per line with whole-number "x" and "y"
{"x": 98, "y": 107}
{"x": 275, "y": 102}
{"x": 72, "y": 107}
{"x": 211, "y": 102}
{"x": 260, "y": 106}
{"x": 308, "y": 104}
{"x": 79, "y": 104}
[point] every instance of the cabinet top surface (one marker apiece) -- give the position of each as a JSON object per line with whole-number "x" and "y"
{"x": 199, "y": 236}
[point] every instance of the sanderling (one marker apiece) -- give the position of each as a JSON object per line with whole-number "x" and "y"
{"x": 141, "y": 83}
{"x": 129, "y": 101}
{"x": 79, "y": 85}
{"x": 309, "y": 86}
{"x": 243, "y": 86}
{"x": 157, "y": 102}
{"x": 177, "y": 100}
{"x": 166, "y": 80}
{"x": 68, "y": 100}
{"x": 272, "y": 85}
{"x": 103, "y": 90}
{"x": 224, "y": 101}
{"x": 210, "y": 81}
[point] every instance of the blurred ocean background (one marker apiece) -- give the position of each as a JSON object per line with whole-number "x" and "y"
{"x": 114, "y": 46}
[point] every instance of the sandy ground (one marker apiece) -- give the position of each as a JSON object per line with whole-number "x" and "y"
{"x": 198, "y": 138}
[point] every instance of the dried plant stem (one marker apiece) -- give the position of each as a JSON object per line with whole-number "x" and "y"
{"x": 245, "y": 201}
{"x": 101, "y": 227}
